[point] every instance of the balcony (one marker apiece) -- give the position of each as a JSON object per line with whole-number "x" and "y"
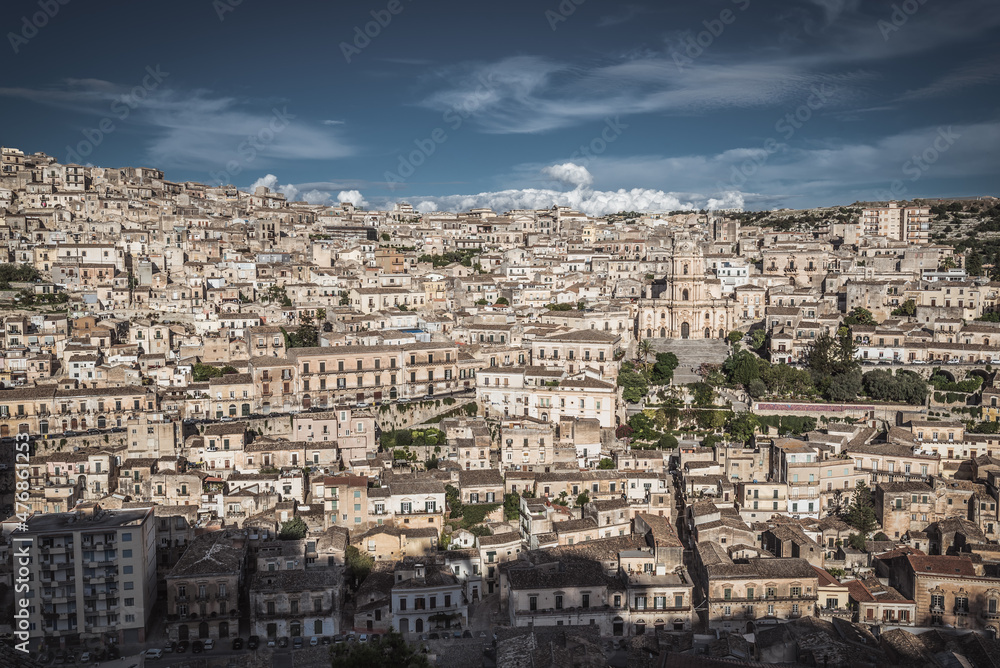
{"x": 989, "y": 615}
{"x": 834, "y": 612}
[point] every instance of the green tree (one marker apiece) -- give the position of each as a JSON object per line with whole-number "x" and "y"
{"x": 668, "y": 441}
{"x": 359, "y": 565}
{"x": 606, "y": 464}
{"x": 742, "y": 426}
{"x": 454, "y": 500}
{"x": 742, "y": 367}
{"x": 844, "y": 387}
{"x": 390, "y": 650}
{"x": 859, "y": 316}
{"x": 758, "y": 338}
{"x": 663, "y": 369}
{"x": 735, "y": 336}
{"x": 861, "y": 512}
{"x": 906, "y": 309}
{"x": 857, "y": 541}
{"x": 634, "y": 386}
{"x": 511, "y": 506}
{"x": 503, "y": 300}
{"x": 973, "y": 263}
{"x": 583, "y": 499}
{"x": 293, "y": 529}
{"x": 702, "y": 393}
{"x": 644, "y": 349}
{"x": 201, "y": 373}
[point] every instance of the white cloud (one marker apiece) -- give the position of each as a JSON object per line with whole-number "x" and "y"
{"x": 270, "y": 181}
{"x": 829, "y": 172}
{"x": 592, "y": 202}
{"x": 569, "y": 173}
{"x": 316, "y": 197}
{"x": 332, "y": 122}
{"x": 352, "y": 196}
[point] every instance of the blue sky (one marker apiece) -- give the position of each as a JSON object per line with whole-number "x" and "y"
{"x": 446, "y": 105}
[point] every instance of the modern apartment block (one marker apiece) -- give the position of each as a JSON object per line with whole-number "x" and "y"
{"x": 899, "y": 223}
{"x": 94, "y": 575}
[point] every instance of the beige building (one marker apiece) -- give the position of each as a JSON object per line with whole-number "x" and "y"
{"x": 687, "y": 304}
{"x": 900, "y": 223}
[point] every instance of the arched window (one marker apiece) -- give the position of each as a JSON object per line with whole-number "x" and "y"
{"x": 686, "y": 269}
{"x": 684, "y": 295}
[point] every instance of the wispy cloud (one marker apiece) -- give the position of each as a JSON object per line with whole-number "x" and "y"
{"x": 979, "y": 73}
{"x": 531, "y": 95}
{"x": 332, "y": 122}
{"x": 196, "y": 130}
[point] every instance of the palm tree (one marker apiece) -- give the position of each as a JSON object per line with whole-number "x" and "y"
{"x": 645, "y": 348}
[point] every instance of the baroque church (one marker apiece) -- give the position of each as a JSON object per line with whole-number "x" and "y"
{"x": 686, "y": 304}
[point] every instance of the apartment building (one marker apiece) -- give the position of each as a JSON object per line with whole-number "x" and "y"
{"x": 96, "y": 575}
{"x": 899, "y": 223}
{"x": 748, "y": 595}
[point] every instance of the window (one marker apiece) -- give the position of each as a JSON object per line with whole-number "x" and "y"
{"x": 559, "y": 602}
{"x": 532, "y": 603}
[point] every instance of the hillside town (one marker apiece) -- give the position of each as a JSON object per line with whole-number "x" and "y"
{"x": 276, "y": 432}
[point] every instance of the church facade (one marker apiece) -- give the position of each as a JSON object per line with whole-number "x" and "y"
{"x": 686, "y": 304}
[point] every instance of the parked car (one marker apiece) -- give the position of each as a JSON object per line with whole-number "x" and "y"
{"x": 272, "y": 642}
{"x": 325, "y": 640}
{"x": 182, "y": 646}
{"x": 467, "y": 633}
{"x": 313, "y": 641}
{"x": 238, "y": 643}
{"x": 338, "y": 638}
{"x": 253, "y": 642}
{"x": 374, "y": 638}
{"x": 363, "y": 637}
{"x": 170, "y": 647}
{"x": 197, "y": 647}
{"x": 435, "y": 636}
{"x": 283, "y": 641}
{"x": 85, "y": 657}
{"x": 209, "y": 644}
{"x": 458, "y": 634}
{"x": 150, "y": 654}
{"x": 297, "y": 642}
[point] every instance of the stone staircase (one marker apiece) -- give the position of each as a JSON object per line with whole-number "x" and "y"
{"x": 691, "y": 354}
